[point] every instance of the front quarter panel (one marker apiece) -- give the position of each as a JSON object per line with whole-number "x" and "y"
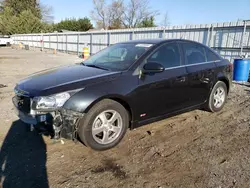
{"x": 121, "y": 87}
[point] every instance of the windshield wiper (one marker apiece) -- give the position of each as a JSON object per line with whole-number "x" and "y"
{"x": 95, "y": 66}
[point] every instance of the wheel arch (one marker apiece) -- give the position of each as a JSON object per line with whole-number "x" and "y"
{"x": 118, "y": 98}
{"x": 226, "y": 81}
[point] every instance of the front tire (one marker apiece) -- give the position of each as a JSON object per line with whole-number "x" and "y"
{"x": 217, "y": 98}
{"x": 104, "y": 126}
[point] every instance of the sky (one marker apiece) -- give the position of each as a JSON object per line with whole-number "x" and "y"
{"x": 180, "y": 12}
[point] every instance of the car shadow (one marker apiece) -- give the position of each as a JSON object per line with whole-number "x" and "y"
{"x": 23, "y": 159}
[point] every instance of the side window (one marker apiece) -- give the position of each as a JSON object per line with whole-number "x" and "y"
{"x": 168, "y": 55}
{"x": 211, "y": 56}
{"x": 194, "y": 53}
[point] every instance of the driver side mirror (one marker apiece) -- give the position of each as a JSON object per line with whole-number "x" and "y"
{"x": 152, "y": 67}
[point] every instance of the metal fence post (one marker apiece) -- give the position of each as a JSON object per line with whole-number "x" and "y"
{"x": 42, "y": 42}
{"x": 78, "y": 44}
{"x": 211, "y": 35}
{"x": 57, "y": 41}
{"x": 63, "y": 49}
{"x": 66, "y": 43}
{"x": 208, "y": 36}
{"x": 163, "y": 32}
{"x": 228, "y": 37}
{"x": 91, "y": 43}
{"x": 242, "y": 37}
{"x": 132, "y": 35}
{"x": 32, "y": 41}
{"x": 49, "y": 43}
{"x": 109, "y": 35}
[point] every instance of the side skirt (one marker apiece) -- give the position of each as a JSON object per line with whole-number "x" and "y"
{"x": 137, "y": 124}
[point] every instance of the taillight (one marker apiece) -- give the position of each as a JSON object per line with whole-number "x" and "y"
{"x": 231, "y": 66}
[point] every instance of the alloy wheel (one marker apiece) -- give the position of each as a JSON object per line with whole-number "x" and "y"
{"x": 219, "y": 97}
{"x": 107, "y": 127}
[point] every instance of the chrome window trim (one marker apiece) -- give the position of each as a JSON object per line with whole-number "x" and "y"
{"x": 175, "y": 67}
{"x": 181, "y": 66}
{"x": 192, "y": 64}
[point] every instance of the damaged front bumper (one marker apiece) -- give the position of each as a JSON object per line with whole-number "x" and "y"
{"x": 61, "y": 123}
{"x": 68, "y": 123}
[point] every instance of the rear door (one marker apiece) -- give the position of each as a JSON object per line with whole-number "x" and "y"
{"x": 164, "y": 92}
{"x": 200, "y": 71}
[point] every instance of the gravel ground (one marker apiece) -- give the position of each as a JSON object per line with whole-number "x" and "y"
{"x": 195, "y": 149}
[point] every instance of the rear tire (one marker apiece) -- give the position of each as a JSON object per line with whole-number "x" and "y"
{"x": 217, "y": 98}
{"x": 104, "y": 126}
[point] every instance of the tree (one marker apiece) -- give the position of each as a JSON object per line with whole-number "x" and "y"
{"x": 22, "y": 16}
{"x": 100, "y": 13}
{"x": 136, "y": 12}
{"x": 82, "y": 24}
{"x": 115, "y": 13}
{"x": 121, "y": 15}
{"x": 19, "y": 6}
{"x": 25, "y": 22}
{"x": 46, "y": 12}
{"x": 7, "y": 21}
{"x": 148, "y": 22}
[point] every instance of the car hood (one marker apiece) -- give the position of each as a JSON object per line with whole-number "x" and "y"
{"x": 62, "y": 79}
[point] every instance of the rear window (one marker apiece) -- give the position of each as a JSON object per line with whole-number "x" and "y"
{"x": 211, "y": 56}
{"x": 194, "y": 53}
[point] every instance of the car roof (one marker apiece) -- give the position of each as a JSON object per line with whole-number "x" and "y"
{"x": 156, "y": 41}
{"x": 151, "y": 41}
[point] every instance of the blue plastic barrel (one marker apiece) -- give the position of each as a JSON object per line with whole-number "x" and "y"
{"x": 241, "y": 69}
{"x": 249, "y": 65}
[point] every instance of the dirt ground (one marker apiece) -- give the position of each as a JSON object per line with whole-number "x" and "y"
{"x": 195, "y": 149}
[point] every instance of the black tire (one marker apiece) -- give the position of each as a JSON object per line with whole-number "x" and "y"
{"x": 85, "y": 124}
{"x": 210, "y": 106}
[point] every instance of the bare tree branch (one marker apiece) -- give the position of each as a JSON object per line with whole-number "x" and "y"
{"x": 119, "y": 14}
{"x": 47, "y": 13}
{"x": 100, "y": 12}
{"x": 165, "y": 21}
{"x": 115, "y": 13}
{"x": 136, "y": 11}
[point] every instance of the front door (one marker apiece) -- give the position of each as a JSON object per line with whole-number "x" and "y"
{"x": 162, "y": 93}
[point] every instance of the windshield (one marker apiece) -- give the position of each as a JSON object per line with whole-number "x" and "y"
{"x": 117, "y": 57}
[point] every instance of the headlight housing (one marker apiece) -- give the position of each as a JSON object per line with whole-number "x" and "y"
{"x": 52, "y": 102}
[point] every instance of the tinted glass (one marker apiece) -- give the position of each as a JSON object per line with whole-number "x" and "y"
{"x": 168, "y": 55}
{"x": 118, "y": 56}
{"x": 194, "y": 53}
{"x": 211, "y": 56}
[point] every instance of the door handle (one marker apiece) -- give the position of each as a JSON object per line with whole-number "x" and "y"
{"x": 181, "y": 79}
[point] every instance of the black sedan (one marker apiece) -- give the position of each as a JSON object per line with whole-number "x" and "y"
{"x": 124, "y": 86}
